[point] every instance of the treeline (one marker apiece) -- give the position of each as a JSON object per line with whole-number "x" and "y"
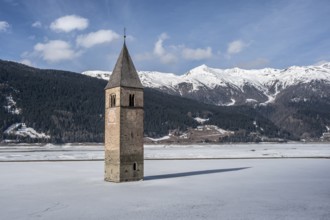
{"x": 314, "y": 116}
{"x": 165, "y": 112}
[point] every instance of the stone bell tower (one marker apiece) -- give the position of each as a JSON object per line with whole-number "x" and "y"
{"x": 124, "y": 122}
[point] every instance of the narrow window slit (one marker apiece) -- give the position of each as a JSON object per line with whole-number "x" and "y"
{"x": 112, "y": 100}
{"x": 131, "y": 100}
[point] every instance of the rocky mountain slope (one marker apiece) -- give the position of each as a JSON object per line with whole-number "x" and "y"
{"x": 235, "y": 86}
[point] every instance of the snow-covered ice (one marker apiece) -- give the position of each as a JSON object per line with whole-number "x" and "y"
{"x": 173, "y": 189}
{"x": 167, "y": 151}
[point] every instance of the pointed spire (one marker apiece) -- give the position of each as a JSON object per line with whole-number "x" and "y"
{"x": 124, "y": 74}
{"x": 124, "y": 35}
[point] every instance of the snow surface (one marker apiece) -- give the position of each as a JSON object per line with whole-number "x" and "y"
{"x": 165, "y": 151}
{"x": 173, "y": 189}
{"x": 159, "y": 139}
{"x": 204, "y": 76}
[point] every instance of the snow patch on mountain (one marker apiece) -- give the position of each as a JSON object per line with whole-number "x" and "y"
{"x": 154, "y": 79}
{"x": 299, "y": 100}
{"x": 98, "y": 74}
{"x": 251, "y": 101}
{"x": 201, "y": 120}
{"x": 233, "y": 101}
{"x": 214, "y": 128}
{"x": 257, "y": 126}
{"x": 159, "y": 139}
{"x": 20, "y": 129}
{"x": 11, "y": 106}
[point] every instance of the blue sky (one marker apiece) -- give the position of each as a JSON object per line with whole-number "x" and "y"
{"x": 168, "y": 36}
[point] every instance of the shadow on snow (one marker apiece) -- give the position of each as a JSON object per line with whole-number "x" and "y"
{"x": 192, "y": 173}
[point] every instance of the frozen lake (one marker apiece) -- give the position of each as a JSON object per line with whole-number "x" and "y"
{"x": 173, "y": 189}
{"x": 162, "y": 151}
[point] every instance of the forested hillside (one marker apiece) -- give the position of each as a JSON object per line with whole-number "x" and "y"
{"x": 164, "y": 112}
{"x": 65, "y": 105}
{"x": 69, "y": 107}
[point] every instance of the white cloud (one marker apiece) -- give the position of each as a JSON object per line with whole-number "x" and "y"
{"x": 4, "y": 26}
{"x": 130, "y": 38}
{"x": 55, "y": 51}
{"x": 321, "y": 62}
{"x": 159, "y": 50}
{"x": 98, "y": 37}
{"x": 25, "y": 54}
{"x": 168, "y": 58}
{"x": 26, "y": 62}
{"x": 69, "y": 23}
{"x": 197, "y": 54}
{"x": 37, "y": 24}
{"x": 143, "y": 56}
{"x": 171, "y": 53}
{"x": 257, "y": 63}
{"x": 235, "y": 47}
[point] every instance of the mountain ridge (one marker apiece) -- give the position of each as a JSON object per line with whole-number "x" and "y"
{"x": 259, "y": 85}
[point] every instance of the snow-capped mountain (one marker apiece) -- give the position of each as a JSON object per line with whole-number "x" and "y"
{"x": 231, "y": 86}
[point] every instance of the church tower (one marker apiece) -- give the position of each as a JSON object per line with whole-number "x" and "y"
{"x": 124, "y": 122}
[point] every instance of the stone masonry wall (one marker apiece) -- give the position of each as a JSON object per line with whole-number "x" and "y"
{"x": 124, "y": 136}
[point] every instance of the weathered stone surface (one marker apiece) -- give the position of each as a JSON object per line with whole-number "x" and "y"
{"x": 124, "y": 74}
{"x": 123, "y": 128}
